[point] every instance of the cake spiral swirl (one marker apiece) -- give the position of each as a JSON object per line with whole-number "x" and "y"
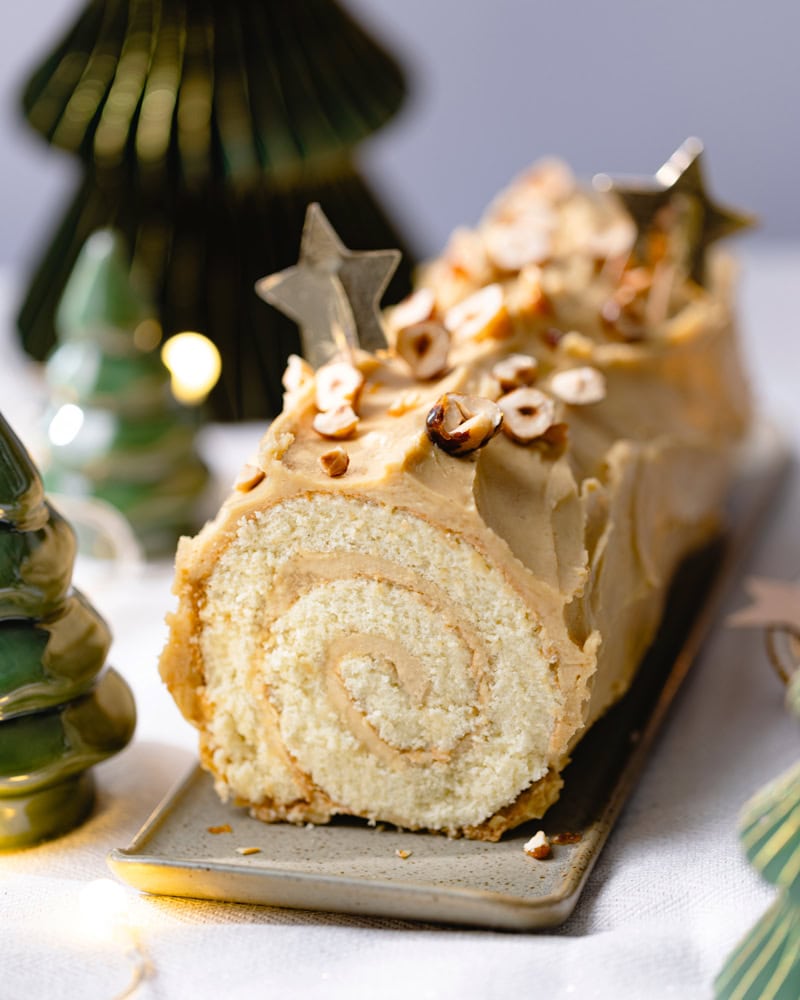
{"x": 384, "y": 673}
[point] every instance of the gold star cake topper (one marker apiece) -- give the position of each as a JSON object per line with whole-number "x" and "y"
{"x": 678, "y": 188}
{"x": 332, "y": 293}
{"x": 773, "y": 603}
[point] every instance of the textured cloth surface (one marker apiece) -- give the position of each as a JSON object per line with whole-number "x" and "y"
{"x": 669, "y": 898}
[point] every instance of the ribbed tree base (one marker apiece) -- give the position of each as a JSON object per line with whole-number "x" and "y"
{"x": 26, "y": 820}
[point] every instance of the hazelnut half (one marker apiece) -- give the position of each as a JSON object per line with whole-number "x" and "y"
{"x": 514, "y": 371}
{"x": 424, "y": 348}
{"x": 338, "y": 382}
{"x": 528, "y": 414}
{"x": 483, "y": 314}
{"x": 461, "y": 424}
{"x": 579, "y": 386}
{"x": 339, "y": 422}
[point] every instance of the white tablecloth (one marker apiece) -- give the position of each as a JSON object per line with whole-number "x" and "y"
{"x": 671, "y": 893}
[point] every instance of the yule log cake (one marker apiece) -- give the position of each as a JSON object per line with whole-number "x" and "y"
{"x": 451, "y": 552}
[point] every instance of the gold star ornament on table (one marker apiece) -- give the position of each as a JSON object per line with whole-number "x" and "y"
{"x": 678, "y": 195}
{"x": 775, "y": 606}
{"x": 773, "y": 603}
{"x": 332, "y": 293}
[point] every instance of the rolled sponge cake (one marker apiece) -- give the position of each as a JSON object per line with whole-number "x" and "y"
{"x": 423, "y": 637}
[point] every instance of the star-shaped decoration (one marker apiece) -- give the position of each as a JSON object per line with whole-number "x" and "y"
{"x": 332, "y": 293}
{"x": 774, "y": 603}
{"x": 678, "y": 186}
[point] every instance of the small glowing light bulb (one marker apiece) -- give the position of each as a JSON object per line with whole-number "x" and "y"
{"x": 65, "y": 424}
{"x": 194, "y": 364}
{"x": 103, "y": 906}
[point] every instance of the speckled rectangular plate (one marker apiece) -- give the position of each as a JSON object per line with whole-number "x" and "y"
{"x": 349, "y": 867}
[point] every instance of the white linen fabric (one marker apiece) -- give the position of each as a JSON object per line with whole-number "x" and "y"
{"x": 669, "y": 898}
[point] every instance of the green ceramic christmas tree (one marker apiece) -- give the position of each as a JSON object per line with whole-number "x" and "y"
{"x": 59, "y": 715}
{"x": 204, "y": 130}
{"x": 766, "y": 965}
{"x": 115, "y": 430}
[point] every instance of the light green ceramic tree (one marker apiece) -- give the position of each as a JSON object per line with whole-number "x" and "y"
{"x": 766, "y": 965}
{"x": 114, "y": 428}
{"x": 59, "y": 714}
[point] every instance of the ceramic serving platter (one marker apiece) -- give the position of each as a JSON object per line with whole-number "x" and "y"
{"x": 349, "y": 867}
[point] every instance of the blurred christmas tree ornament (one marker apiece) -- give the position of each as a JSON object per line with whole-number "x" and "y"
{"x": 205, "y": 130}
{"x": 115, "y": 430}
{"x": 332, "y": 293}
{"x": 675, "y": 202}
{"x": 766, "y": 964}
{"x": 59, "y": 714}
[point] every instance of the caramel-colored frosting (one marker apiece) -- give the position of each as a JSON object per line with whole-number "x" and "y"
{"x": 587, "y": 522}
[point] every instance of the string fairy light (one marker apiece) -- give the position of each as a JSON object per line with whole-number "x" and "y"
{"x": 106, "y": 918}
{"x": 194, "y": 364}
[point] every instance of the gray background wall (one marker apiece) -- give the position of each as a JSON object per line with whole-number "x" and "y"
{"x": 612, "y": 86}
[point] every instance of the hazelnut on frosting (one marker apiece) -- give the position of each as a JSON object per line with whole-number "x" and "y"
{"x": 528, "y": 414}
{"x": 424, "y": 347}
{"x": 514, "y": 371}
{"x": 461, "y": 424}
{"x": 335, "y": 462}
{"x": 479, "y": 316}
{"x": 336, "y": 383}
{"x": 579, "y": 386}
{"x": 339, "y": 422}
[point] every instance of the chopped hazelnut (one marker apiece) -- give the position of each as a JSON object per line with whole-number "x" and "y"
{"x": 249, "y": 477}
{"x": 403, "y": 403}
{"x": 566, "y": 838}
{"x": 298, "y": 373}
{"x": 424, "y": 348}
{"x": 579, "y": 386}
{"x": 479, "y": 316}
{"x": 248, "y": 850}
{"x": 338, "y": 382}
{"x": 335, "y": 462}
{"x": 538, "y": 846}
{"x": 461, "y": 424}
{"x": 514, "y": 371}
{"x": 403, "y": 854}
{"x": 222, "y": 828}
{"x": 339, "y": 422}
{"x": 528, "y": 414}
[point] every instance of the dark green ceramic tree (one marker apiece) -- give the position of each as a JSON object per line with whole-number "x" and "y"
{"x": 205, "y": 129}
{"x": 115, "y": 431}
{"x": 60, "y": 713}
